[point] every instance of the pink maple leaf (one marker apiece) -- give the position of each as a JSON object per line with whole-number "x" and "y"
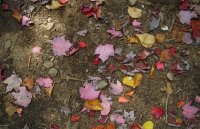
{"x": 114, "y": 33}
{"x": 88, "y": 92}
{"x": 45, "y": 82}
{"x": 136, "y": 24}
{"x": 157, "y": 112}
{"x": 186, "y": 16}
{"x": 189, "y": 111}
{"x": 26, "y": 21}
{"x": 105, "y": 104}
{"x": 61, "y": 46}
{"x": 117, "y": 88}
{"x": 118, "y": 118}
{"x": 23, "y": 97}
{"x": 104, "y": 51}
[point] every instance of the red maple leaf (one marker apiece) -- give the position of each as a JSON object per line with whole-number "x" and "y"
{"x": 157, "y": 112}
{"x": 195, "y": 23}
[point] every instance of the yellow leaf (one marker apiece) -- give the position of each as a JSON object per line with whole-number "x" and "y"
{"x": 134, "y": 12}
{"x": 49, "y": 90}
{"x": 147, "y": 40}
{"x": 133, "y": 39}
{"x": 10, "y": 109}
{"x": 133, "y": 81}
{"x": 93, "y": 104}
{"x": 152, "y": 72}
{"x": 55, "y": 5}
{"x": 28, "y": 82}
{"x": 148, "y": 125}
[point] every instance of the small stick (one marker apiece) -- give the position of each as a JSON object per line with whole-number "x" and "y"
{"x": 4, "y": 125}
{"x": 166, "y": 109}
{"x": 173, "y": 125}
{"x": 75, "y": 79}
{"x": 29, "y": 60}
{"x": 172, "y": 24}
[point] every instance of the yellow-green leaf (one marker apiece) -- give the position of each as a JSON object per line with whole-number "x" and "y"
{"x": 148, "y": 125}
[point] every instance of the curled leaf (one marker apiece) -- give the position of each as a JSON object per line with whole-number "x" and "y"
{"x": 134, "y": 12}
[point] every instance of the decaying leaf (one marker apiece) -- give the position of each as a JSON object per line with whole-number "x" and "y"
{"x": 146, "y": 40}
{"x": 93, "y": 104}
{"x": 28, "y": 82}
{"x": 107, "y": 126}
{"x": 148, "y": 125}
{"x": 16, "y": 14}
{"x": 134, "y": 12}
{"x": 10, "y": 109}
{"x": 160, "y": 38}
{"x": 133, "y": 81}
{"x": 133, "y": 39}
{"x": 49, "y": 90}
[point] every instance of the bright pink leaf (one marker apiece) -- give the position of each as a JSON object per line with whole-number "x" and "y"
{"x": 117, "y": 88}
{"x": 45, "y": 82}
{"x": 136, "y": 24}
{"x": 88, "y": 92}
{"x": 23, "y": 97}
{"x": 189, "y": 111}
{"x": 157, "y": 112}
{"x": 82, "y": 44}
{"x": 197, "y": 99}
{"x": 186, "y": 16}
{"x": 91, "y": 11}
{"x": 26, "y": 21}
{"x": 61, "y": 46}
{"x": 114, "y": 33}
{"x": 195, "y": 23}
{"x": 160, "y": 65}
{"x": 176, "y": 68}
{"x": 72, "y": 50}
{"x": 104, "y": 51}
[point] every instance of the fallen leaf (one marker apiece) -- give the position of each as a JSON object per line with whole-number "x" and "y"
{"x": 54, "y": 126}
{"x": 19, "y": 110}
{"x": 106, "y": 103}
{"x": 197, "y": 99}
{"x": 180, "y": 103}
{"x": 146, "y": 40}
{"x": 88, "y": 92}
{"x": 75, "y": 118}
{"x": 133, "y": 81}
{"x": 160, "y": 38}
{"x": 23, "y": 97}
{"x": 134, "y": 12}
{"x": 1, "y": 74}
{"x": 82, "y": 44}
{"x": 44, "y": 82}
{"x": 55, "y": 5}
{"x": 133, "y": 39}
{"x": 26, "y": 21}
{"x": 94, "y": 11}
{"x": 10, "y": 109}
{"x": 130, "y": 93}
{"x": 157, "y": 112}
{"x": 49, "y": 90}
{"x": 169, "y": 89}
{"x": 36, "y": 50}
{"x": 93, "y": 105}
{"x": 82, "y": 33}
{"x": 183, "y": 4}
{"x": 189, "y": 111}
{"x": 160, "y": 65}
{"x": 63, "y": 1}
{"x": 104, "y": 51}
{"x": 28, "y": 82}
{"x": 170, "y": 76}
{"x": 154, "y": 23}
{"x": 187, "y": 38}
{"x": 117, "y": 88}
{"x": 148, "y": 125}
{"x": 152, "y": 72}
{"x": 136, "y": 126}
{"x": 13, "y": 82}
{"x": 16, "y": 14}
{"x": 186, "y": 16}
{"x": 61, "y": 46}
{"x": 123, "y": 99}
{"x": 107, "y": 126}
{"x": 195, "y": 23}
{"x": 114, "y": 33}
{"x": 118, "y": 118}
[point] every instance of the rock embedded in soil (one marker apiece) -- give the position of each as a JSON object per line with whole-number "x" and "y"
{"x": 48, "y": 64}
{"x": 53, "y": 71}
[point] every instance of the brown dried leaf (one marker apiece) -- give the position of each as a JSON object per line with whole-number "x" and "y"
{"x": 28, "y": 82}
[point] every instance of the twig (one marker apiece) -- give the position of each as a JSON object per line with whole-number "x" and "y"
{"x": 173, "y": 125}
{"x": 75, "y": 79}
{"x": 172, "y": 24}
{"x": 29, "y": 60}
{"x": 166, "y": 109}
{"x": 4, "y": 125}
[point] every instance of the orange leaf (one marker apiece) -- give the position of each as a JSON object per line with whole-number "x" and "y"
{"x": 28, "y": 82}
{"x": 160, "y": 38}
{"x": 75, "y": 118}
{"x": 107, "y": 126}
{"x": 49, "y": 90}
{"x": 130, "y": 93}
{"x": 152, "y": 72}
{"x": 122, "y": 99}
{"x": 180, "y": 103}
{"x": 93, "y": 104}
{"x": 165, "y": 55}
{"x": 16, "y": 14}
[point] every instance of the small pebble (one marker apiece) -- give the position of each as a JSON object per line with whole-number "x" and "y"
{"x": 49, "y": 25}
{"x": 53, "y": 71}
{"x": 48, "y": 64}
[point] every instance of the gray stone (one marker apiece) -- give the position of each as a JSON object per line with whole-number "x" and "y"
{"x": 53, "y": 71}
{"x": 7, "y": 45}
{"x": 48, "y": 64}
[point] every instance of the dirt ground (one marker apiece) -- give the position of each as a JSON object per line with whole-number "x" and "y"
{"x": 44, "y": 110}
